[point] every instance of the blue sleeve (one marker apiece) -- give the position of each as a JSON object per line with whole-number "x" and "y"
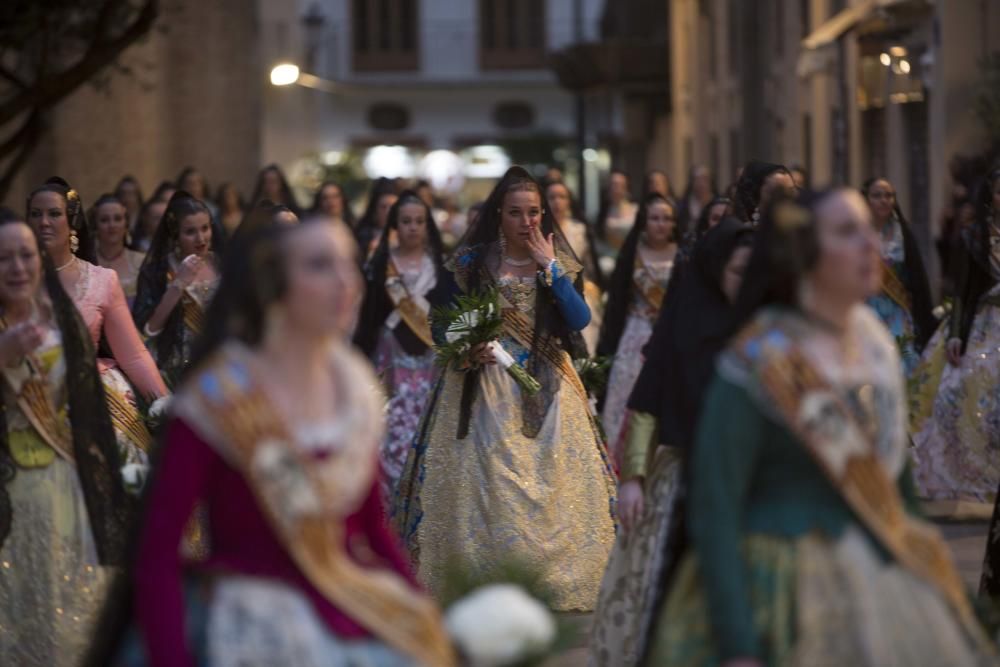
{"x": 570, "y": 303}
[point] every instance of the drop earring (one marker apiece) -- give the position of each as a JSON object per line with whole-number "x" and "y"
{"x": 503, "y": 242}
{"x": 74, "y": 241}
{"x": 755, "y": 218}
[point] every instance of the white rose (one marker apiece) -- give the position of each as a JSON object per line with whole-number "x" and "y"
{"x": 499, "y": 625}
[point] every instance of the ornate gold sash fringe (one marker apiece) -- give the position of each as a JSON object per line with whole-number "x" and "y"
{"x": 126, "y": 419}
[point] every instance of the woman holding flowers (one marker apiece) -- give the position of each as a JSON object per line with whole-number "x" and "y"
{"x": 504, "y": 471}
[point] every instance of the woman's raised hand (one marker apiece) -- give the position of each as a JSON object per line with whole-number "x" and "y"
{"x": 188, "y": 270}
{"x": 20, "y": 340}
{"x": 542, "y": 248}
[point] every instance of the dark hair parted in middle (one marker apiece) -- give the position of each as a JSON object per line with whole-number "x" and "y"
{"x": 377, "y": 305}
{"x": 622, "y": 283}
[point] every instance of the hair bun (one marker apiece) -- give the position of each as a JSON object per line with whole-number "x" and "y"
{"x": 57, "y": 180}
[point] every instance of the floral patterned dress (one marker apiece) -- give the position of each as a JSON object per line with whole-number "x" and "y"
{"x": 956, "y": 425}
{"x": 408, "y": 381}
{"x": 649, "y": 277}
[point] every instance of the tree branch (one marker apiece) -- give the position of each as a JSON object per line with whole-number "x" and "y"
{"x": 29, "y": 135}
{"x": 13, "y": 78}
{"x": 101, "y": 54}
{"x": 12, "y": 142}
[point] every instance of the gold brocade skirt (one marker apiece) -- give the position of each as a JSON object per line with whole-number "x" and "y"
{"x": 51, "y": 584}
{"x": 819, "y": 602}
{"x": 626, "y": 606}
{"x": 498, "y": 499}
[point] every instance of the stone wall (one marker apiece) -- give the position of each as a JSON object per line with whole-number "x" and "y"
{"x": 194, "y": 99}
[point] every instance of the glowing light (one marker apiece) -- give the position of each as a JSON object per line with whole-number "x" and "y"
{"x": 885, "y": 59}
{"x": 898, "y": 51}
{"x": 331, "y": 157}
{"x": 590, "y": 155}
{"x": 904, "y": 66}
{"x": 390, "y": 162}
{"x": 485, "y": 161}
{"x": 284, "y": 74}
{"x": 443, "y": 169}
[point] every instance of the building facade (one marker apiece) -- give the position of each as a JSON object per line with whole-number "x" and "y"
{"x": 193, "y": 98}
{"x": 849, "y": 89}
{"x": 448, "y": 91}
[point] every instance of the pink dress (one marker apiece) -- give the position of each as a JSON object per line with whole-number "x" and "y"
{"x": 99, "y": 297}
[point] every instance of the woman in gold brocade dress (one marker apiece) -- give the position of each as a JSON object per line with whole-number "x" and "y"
{"x": 63, "y": 510}
{"x": 496, "y": 477}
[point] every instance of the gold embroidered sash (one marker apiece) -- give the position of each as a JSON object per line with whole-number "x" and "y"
{"x": 194, "y": 315}
{"x": 894, "y": 288}
{"x": 244, "y": 418}
{"x": 126, "y": 419}
{"x": 822, "y": 421}
{"x": 520, "y": 328}
{"x": 413, "y": 315}
{"x": 36, "y": 405}
{"x": 650, "y": 289}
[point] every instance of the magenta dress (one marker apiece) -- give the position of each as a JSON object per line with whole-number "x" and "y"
{"x": 242, "y": 543}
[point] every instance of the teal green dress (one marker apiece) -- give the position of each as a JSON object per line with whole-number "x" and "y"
{"x": 781, "y": 569}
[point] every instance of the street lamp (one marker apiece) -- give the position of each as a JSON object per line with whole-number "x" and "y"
{"x": 286, "y": 74}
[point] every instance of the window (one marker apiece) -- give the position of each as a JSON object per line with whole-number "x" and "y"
{"x": 385, "y": 34}
{"x": 512, "y": 34}
{"x": 388, "y": 116}
{"x": 514, "y": 115}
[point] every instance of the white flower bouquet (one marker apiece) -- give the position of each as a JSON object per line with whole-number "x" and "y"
{"x": 475, "y": 319}
{"x": 500, "y": 625}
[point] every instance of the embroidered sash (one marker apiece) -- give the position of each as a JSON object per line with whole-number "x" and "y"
{"x": 845, "y": 452}
{"x": 35, "y": 403}
{"x": 126, "y": 419}
{"x": 647, "y": 286}
{"x": 894, "y": 288}
{"x": 194, "y": 315}
{"x": 231, "y": 408}
{"x": 521, "y": 329}
{"x": 413, "y": 315}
